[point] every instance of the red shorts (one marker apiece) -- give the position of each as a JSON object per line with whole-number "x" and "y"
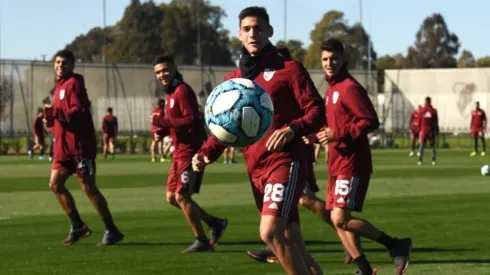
{"x": 347, "y": 192}
{"x": 182, "y": 178}
{"x": 108, "y": 138}
{"x": 476, "y": 133}
{"x": 427, "y": 136}
{"x": 277, "y": 192}
{"x": 81, "y": 168}
{"x": 311, "y": 185}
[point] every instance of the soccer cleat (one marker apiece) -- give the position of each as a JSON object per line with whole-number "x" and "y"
{"x": 153, "y": 160}
{"x": 216, "y": 232}
{"x": 472, "y": 154}
{"x": 263, "y": 255}
{"x": 401, "y": 255}
{"x": 419, "y": 162}
{"x": 76, "y": 234}
{"x": 411, "y": 154}
{"x": 199, "y": 246}
{"x": 111, "y": 238}
{"x": 433, "y": 162}
{"x": 418, "y": 154}
{"x": 483, "y": 154}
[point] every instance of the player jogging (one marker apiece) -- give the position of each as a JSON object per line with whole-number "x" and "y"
{"x": 159, "y": 134}
{"x": 39, "y": 135}
{"x": 414, "y": 129}
{"x": 110, "y": 128}
{"x": 75, "y": 149}
{"x": 276, "y": 163}
{"x": 429, "y": 129}
{"x": 350, "y": 117}
{"x": 478, "y": 127}
{"x": 187, "y": 131}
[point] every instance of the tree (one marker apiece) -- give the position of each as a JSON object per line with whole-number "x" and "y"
{"x": 90, "y": 47}
{"x": 390, "y": 62}
{"x": 466, "y": 60}
{"x": 435, "y": 46}
{"x": 355, "y": 39}
{"x": 483, "y": 62}
{"x": 235, "y": 46}
{"x": 295, "y": 47}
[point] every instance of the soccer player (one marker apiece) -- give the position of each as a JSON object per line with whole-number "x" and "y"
{"x": 276, "y": 164}
{"x": 478, "y": 127}
{"x": 429, "y": 129}
{"x": 414, "y": 129}
{"x": 110, "y": 127}
{"x": 75, "y": 150}
{"x": 350, "y": 117}
{"x": 187, "y": 131}
{"x": 39, "y": 135}
{"x": 158, "y": 134}
{"x": 229, "y": 155}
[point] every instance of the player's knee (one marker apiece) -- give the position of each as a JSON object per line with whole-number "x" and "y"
{"x": 182, "y": 197}
{"x": 171, "y": 199}
{"x": 305, "y": 201}
{"x": 56, "y": 187}
{"x": 271, "y": 237}
{"x": 90, "y": 189}
{"x": 339, "y": 221}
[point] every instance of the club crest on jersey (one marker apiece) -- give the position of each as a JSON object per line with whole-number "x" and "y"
{"x": 62, "y": 94}
{"x": 335, "y": 97}
{"x": 268, "y": 74}
{"x": 172, "y": 103}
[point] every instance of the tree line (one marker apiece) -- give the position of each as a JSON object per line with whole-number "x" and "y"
{"x": 192, "y": 32}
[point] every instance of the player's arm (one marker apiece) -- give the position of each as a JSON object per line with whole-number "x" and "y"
{"x": 366, "y": 120}
{"x": 436, "y": 122}
{"x": 208, "y": 153}
{"x": 79, "y": 102}
{"x": 309, "y": 101}
{"x": 116, "y": 125}
{"x": 184, "y": 101}
{"x": 484, "y": 121}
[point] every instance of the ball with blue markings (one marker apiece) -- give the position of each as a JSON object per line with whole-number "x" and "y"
{"x": 239, "y": 112}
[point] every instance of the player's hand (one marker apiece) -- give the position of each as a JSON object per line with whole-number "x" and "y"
{"x": 48, "y": 123}
{"x": 325, "y": 136}
{"x": 279, "y": 138}
{"x": 199, "y": 162}
{"x": 306, "y": 140}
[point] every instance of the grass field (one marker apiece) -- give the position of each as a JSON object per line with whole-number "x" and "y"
{"x": 445, "y": 209}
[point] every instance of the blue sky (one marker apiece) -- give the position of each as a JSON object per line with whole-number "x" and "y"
{"x": 32, "y": 28}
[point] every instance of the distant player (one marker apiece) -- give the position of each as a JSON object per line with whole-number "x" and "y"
{"x": 229, "y": 155}
{"x": 350, "y": 117}
{"x": 308, "y": 200}
{"x": 429, "y": 129}
{"x": 478, "y": 127}
{"x": 110, "y": 127}
{"x": 414, "y": 129}
{"x": 187, "y": 131}
{"x": 159, "y": 134}
{"x": 276, "y": 164}
{"x": 39, "y": 135}
{"x": 75, "y": 150}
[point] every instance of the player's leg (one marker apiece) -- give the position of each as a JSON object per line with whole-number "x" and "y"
{"x": 293, "y": 232}
{"x": 111, "y": 147}
{"x": 413, "y": 143}
{"x": 226, "y": 154}
{"x": 318, "y": 147}
{"x": 86, "y": 172}
{"x": 153, "y": 148}
{"x": 105, "y": 145}
{"x": 474, "y": 134}
{"x": 483, "y": 143}
{"x": 433, "y": 146}
{"x": 42, "y": 148}
{"x": 59, "y": 175}
{"x": 345, "y": 195}
{"x": 232, "y": 155}
{"x": 423, "y": 140}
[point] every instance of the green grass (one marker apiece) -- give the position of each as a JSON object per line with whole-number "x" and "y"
{"x": 444, "y": 208}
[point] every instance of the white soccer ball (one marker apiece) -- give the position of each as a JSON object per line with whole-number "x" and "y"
{"x": 239, "y": 112}
{"x": 485, "y": 170}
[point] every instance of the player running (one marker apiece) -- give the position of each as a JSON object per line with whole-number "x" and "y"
{"x": 429, "y": 129}
{"x": 414, "y": 129}
{"x": 39, "y": 135}
{"x": 276, "y": 164}
{"x": 75, "y": 150}
{"x": 478, "y": 127}
{"x": 350, "y": 117}
{"x": 159, "y": 134}
{"x": 187, "y": 131}
{"x": 110, "y": 128}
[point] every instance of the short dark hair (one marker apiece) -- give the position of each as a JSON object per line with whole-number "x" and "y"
{"x": 427, "y": 99}
{"x": 478, "y": 102}
{"x": 66, "y": 54}
{"x": 39, "y": 110}
{"x": 284, "y": 51}
{"x": 254, "y": 11}
{"x": 163, "y": 59}
{"x": 332, "y": 45}
{"x": 161, "y": 101}
{"x": 109, "y": 110}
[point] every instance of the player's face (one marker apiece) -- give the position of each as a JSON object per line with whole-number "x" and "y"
{"x": 62, "y": 66}
{"x": 331, "y": 63}
{"x": 254, "y": 33}
{"x": 165, "y": 73}
{"x": 477, "y": 105}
